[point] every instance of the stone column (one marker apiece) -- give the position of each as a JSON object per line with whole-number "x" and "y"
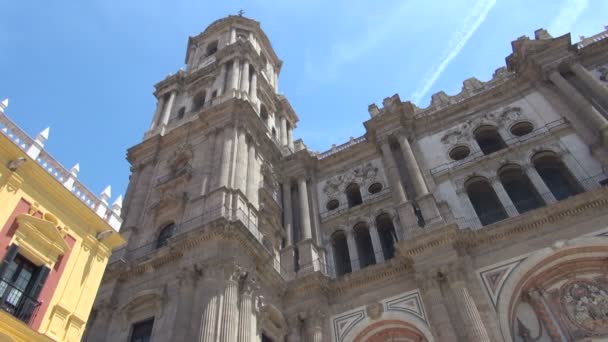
{"x": 469, "y": 210}
{"x": 378, "y": 253}
{"x": 290, "y": 138}
{"x": 287, "y": 212}
{"x": 294, "y": 324}
{"x": 159, "y": 107}
{"x": 234, "y": 76}
{"x": 471, "y": 318}
{"x": 253, "y": 89}
{"x": 539, "y": 184}
{"x": 232, "y": 35}
{"x": 316, "y": 320}
{"x": 589, "y": 79}
{"x": 252, "y": 186}
{"x": 208, "y": 161}
{"x": 245, "y": 333}
{"x": 413, "y": 167}
{"x": 283, "y": 131}
{"x": 595, "y": 118}
{"x": 168, "y": 108}
{"x": 503, "y": 197}
{"x": 209, "y": 320}
{"x": 240, "y": 180}
{"x": 352, "y": 250}
{"x": 434, "y": 303}
{"x": 393, "y": 173}
{"x": 230, "y": 315}
{"x": 315, "y": 214}
{"x": 183, "y": 318}
{"x": 222, "y": 78}
{"x": 226, "y": 156}
{"x": 304, "y": 208}
{"x": 245, "y": 78}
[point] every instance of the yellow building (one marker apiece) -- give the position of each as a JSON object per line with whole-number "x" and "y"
{"x": 55, "y": 240}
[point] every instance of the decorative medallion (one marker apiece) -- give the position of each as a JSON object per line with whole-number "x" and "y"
{"x": 585, "y": 303}
{"x": 374, "y": 311}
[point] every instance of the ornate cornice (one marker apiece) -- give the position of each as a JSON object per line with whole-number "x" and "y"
{"x": 387, "y": 271}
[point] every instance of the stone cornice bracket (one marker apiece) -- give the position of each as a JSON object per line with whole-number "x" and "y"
{"x": 428, "y": 280}
{"x": 190, "y": 274}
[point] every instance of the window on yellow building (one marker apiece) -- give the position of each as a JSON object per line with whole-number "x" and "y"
{"x": 20, "y": 284}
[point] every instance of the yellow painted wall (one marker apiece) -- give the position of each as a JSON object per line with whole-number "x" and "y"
{"x": 66, "y": 316}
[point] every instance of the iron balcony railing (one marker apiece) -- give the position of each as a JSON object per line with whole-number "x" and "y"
{"x": 16, "y": 302}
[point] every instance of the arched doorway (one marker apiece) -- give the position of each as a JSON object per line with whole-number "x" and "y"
{"x": 562, "y": 294}
{"x": 390, "y": 330}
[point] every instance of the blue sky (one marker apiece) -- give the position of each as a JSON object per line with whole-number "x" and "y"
{"x": 87, "y": 68}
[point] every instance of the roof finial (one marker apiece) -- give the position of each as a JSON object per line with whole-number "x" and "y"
{"x": 241, "y": 12}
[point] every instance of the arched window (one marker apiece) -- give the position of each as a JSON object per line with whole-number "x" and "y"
{"x": 341, "y": 256}
{"x": 353, "y": 194}
{"x": 180, "y": 113}
{"x": 199, "y": 101}
{"x": 211, "y": 48}
{"x": 555, "y": 174}
{"x": 264, "y": 114}
{"x": 365, "y": 249}
{"x": 488, "y": 139}
{"x": 164, "y": 235}
{"x": 485, "y": 202}
{"x": 387, "y": 234}
{"x": 519, "y": 188}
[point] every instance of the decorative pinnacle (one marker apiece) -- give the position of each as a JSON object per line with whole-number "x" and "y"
{"x": 75, "y": 169}
{"x": 106, "y": 193}
{"x": 117, "y": 204}
{"x": 45, "y": 133}
{"x": 3, "y": 104}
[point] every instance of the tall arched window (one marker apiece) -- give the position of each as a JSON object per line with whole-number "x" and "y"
{"x": 488, "y": 139}
{"x": 365, "y": 249}
{"x": 211, "y": 48}
{"x": 164, "y": 235}
{"x": 519, "y": 188}
{"x": 180, "y": 113}
{"x": 341, "y": 256}
{"x": 387, "y": 234}
{"x": 485, "y": 202}
{"x": 556, "y": 175}
{"x": 199, "y": 101}
{"x": 353, "y": 194}
{"x": 264, "y": 114}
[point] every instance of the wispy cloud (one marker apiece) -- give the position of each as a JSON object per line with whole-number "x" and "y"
{"x": 459, "y": 39}
{"x": 377, "y": 28}
{"x": 569, "y": 13}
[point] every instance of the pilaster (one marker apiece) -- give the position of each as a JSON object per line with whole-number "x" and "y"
{"x": 473, "y": 325}
{"x": 434, "y": 303}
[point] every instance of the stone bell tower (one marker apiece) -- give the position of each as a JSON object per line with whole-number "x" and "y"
{"x": 203, "y": 208}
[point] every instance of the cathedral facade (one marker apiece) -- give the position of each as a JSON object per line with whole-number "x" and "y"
{"x": 483, "y": 217}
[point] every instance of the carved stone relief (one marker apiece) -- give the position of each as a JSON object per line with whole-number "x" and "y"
{"x": 363, "y": 175}
{"x": 585, "y": 303}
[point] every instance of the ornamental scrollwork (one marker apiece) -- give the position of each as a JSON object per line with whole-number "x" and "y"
{"x": 364, "y": 174}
